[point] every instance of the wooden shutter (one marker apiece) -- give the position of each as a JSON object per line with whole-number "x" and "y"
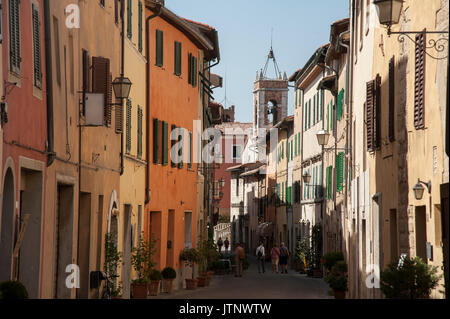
{"x": 159, "y": 48}
{"x": 129, "y": 20}
{"x": 392, "y": 99}
{"x": 190, "y": 151}
{"x": 314, "y": 110}
{"x": 140, "y": 26}
{"x": 119, "y": 119}
{"x": 37, "y": 46}
{"x": 190, "y": 68}
{"x": 86, "y": 66}
{"x": 165, "y": 144}
{"x": 14, "y": 35}
{"x": 155, "y": 141}
{"x": 173, "y": 155}
{"x": 370, "y": 88}
{"x": 340, "y": 105}
{"x": 377, "y": 112}
{"x": 419, "y": 86}
{"x": 177, "y": 59}
{"x": 128, "y": 126}
{"x": 139, "y": 132}
{"x": 101, "y": 83}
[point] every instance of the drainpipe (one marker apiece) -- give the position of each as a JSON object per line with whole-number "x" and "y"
{"x": 49, "y": 85}
{"x": 147, "y": 110}
{"x": 122, "y": 74}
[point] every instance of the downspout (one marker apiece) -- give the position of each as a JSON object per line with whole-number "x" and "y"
{"x": 147, "y": 110}
{"x": 122, "y": 73}
{"x": 49, "y": 85}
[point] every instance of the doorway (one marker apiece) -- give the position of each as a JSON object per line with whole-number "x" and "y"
{"x": 7, "y": 227}
{"x": 64, "y": 239}
{"x": 84, "y": 236}
{"x": 170, "y": 260}
{"x": 126, "y": 270}
{"x": 421, "y": 232}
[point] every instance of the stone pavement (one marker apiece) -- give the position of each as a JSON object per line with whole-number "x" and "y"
{"x": 257, "y": 286}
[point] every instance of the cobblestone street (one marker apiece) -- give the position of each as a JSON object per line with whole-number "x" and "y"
{"x": 257, "y": 286}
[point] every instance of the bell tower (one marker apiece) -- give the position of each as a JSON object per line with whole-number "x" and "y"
{"x": 270, "y": 97}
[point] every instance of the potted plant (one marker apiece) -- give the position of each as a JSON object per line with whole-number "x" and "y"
{"x": 330, "y": 259}
{"x": 13, "y": 290}
{"x": 337, "y": 279}
{"x": 169, "y": 274}
{"x": 190, "y": 256}
{"x": 316, "y": 247}
{"x": 141, "y": 259}
{"x": 218, "y": 267}
{"x": 412, "y": 278}
{"x": 112, "y": 260}
{"x": 302, "y": 253}
{"x": 155, "y": 282}
{"x": 208, "y": 254}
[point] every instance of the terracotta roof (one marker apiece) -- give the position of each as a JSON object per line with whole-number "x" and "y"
{"x": 200, "y": 24}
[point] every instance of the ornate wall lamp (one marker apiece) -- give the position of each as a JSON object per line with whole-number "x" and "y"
{"x": 419, "y": 189}
{"x": 389, "y": 12}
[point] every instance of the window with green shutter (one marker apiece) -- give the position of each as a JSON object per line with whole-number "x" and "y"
{"x": 296, "y": 145}
{"x": 14, "y": 36}
{"x": 173, "y": 141}
{"x": 140, "y": 26}
{"x": 321, "y": 104}
{"x": 139, "y": 132}
{"x": 314, "y": 111}
{"x": 190, "y": 150}
{"x": 128, "y": 126}
{"x": 340, "y": 172}
{"x": 193, "y": 70}
{"x": 159, "y": 48}
{"x": 309, "y": 115}
{"x": 37, "y": 47}
{"x": 177, "y": 59}
{"x": 165, "y": 143}
{"x": 329, "y": 182}
{"x": 156, "y": 141}
{"x": 181, "y": 151}
{"x": 305, "y": 119}
{"x": 129, "y": 19}
{"x": 340, "y": 105}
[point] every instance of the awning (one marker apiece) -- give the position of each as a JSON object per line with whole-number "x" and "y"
{"x": 255, "y": 171}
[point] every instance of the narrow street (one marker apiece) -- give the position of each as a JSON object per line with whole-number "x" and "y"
{"x": 257, "y": 286}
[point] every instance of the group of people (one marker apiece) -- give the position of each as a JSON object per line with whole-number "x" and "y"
{"x": 221, "y": 243}
{"x": 279, "y": 256}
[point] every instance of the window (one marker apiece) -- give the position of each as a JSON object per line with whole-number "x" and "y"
{"x": 190, "y": 151}
{"x": 314, "y": 110}
{"x": 37, "y": 46}
{"x": 140, "y": 27}
{"x": 159, "y": 48}
{"x": 340, "y": 172}
{"x": 129, "y": 20}
{"x": 193, "y": 69}
{"x": 419, "y": 84}
{"x": 236, "y": 152}
{"x": 181, "y": 151}
{"x": 329, "y": 182}
{"x": 165, "y": 143}
{"x": 173, "y": 154}
{"x": 128, "y": 126}
{"x": 340, "y": 106}
{"x": 155, "y": 141}
{"x": 102, "y": 83}
{"x": 373, "y": 114}
{"x": 139, "y": 132}
{"x": 177, "y": 62}
{"x": 14, "y": 36}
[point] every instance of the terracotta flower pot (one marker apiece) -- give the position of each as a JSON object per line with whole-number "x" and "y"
{"x": 201, "y": 281}
{"x": 339, "y": 294}
{"x": 153, "y": 287}
{"x": 140, "y": 291}
{"x": 167, "y": 285}
{"x": 191, "y": 284}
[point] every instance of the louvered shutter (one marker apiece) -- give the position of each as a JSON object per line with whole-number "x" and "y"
{"x": 370, "y": 88}
{"x": 119, "y": 119}
{"x": 156, "y": 141}
{"x": 101, "y": 83}
{"x": 419, "y": 86}
{"x": 14, "y": 35}
{"x": 128, "y": 126}
{"x": 159, "y": 48}
{"x": 190, "y": 151}
{"x": 314, "y": 110}
{"x": 173, "y": 155}
{"x": 165, "y": 144}
{"x": 37, "y": 46}
{"x": 140, "y": 25}
{"x": 377, "y": 113}
{"x": 392, "y": 99}
{"x": 86, "y": 66}
{"x": 190, "y": 68}
{"x": 129, "y": 20}
{"x": 140, "y": 132}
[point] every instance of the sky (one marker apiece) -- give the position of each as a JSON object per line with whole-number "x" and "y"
{"x": 297, "y": 28}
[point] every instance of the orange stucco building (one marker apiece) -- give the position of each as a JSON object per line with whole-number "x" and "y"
{"x": 177, "y": 50}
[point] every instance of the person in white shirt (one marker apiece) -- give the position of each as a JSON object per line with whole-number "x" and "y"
{"x": 261, "y": 255}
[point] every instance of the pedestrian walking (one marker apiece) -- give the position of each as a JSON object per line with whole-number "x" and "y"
{"x": 239, "y": 256}
{"x": 275, "y": 256}
{"x": 284, "y": 257}
{"x": 227, "y": 244}
{"x": 261, "y": 254}
{"x": 220, "y": 244}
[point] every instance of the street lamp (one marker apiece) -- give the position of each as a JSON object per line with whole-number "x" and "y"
{"x": 323, "y": 137}
{"x": 306, "y": 177}
{"x": 389, "y": 11}
{"x": 122, "y": 87}
{"x": 419, "y": 189}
